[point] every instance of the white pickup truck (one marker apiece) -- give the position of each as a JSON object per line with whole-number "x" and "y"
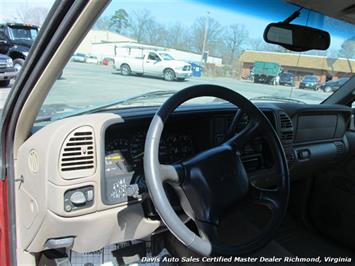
{"x": 153, "y": 63}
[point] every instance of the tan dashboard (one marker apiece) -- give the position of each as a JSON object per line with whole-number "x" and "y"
{"x": 58, "y": 197}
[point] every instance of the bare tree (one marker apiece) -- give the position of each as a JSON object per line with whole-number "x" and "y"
{"x": 255, "y": 44}
{"x": 348, "y": 49}
{"x": 139, "y": 22}
{"x": 32, "y": 15}
{"x": 234, "y": 37}
{"x": 213, "y": 40}
{"x": 155, "y": 33}
{"x": 258, "y": 44}
{"x": 178, "y": 37}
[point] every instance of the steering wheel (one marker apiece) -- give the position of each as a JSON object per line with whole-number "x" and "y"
{"x": 212, "y": 182}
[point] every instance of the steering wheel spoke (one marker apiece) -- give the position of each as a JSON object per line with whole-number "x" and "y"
{"x": 268, "y": 197}
{"x": 238, "y": 141}
{"x": 171, "y": 173}
{"x": 208, "y": 231}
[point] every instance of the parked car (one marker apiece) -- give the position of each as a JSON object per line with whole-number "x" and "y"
{"x": 91, "y": 59}
{"x": 152, "y": 63}
{"x": 266, "y": 72}
{"x": 287, "y": 79}
{"x": 333, "y": 85}
{"x": 79, "y": 57}
{"x": 310, "y": 82}
{"x": 107, "y": 61}
{"x": 16, "y": 40}
{"x": 7, "y": 70}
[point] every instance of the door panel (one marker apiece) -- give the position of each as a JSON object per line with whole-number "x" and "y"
{"x": 151, "y": 65}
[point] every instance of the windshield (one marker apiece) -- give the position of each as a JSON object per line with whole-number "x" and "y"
{"x": 166, "y": 56}
{"x": 213, "y": 43}
{"x": 310, "y": 78}
{"x": 23, "y": 33}
{"x": 286, "y": 76}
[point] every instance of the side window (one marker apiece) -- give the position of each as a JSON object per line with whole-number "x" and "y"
{"x": 153, "y": 56}
{"x": 2, "y": 33}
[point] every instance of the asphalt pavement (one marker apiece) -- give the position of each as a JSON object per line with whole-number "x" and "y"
{"x": 89, "y": 84}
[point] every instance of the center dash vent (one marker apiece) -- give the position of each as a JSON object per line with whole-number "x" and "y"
{"x": 285, "y": 121}
{"x": 286, "y": 128}
{"x": 78, "y": 156}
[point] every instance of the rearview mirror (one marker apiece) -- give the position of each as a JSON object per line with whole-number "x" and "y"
{"x": 296, "y": 37}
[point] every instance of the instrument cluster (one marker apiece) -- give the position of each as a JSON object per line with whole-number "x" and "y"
{"x": 173, "y": 148}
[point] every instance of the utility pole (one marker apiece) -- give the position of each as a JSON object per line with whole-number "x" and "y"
{"x": 205, "y": 36}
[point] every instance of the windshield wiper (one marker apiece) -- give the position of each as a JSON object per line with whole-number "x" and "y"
{"x": 275, "y": 98}
{"x": 127, "y": 101}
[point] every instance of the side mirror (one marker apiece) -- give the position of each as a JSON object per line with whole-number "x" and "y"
{"x": 296, "y": 37}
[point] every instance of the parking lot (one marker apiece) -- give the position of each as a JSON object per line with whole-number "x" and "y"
{"x": 88, "y": 84}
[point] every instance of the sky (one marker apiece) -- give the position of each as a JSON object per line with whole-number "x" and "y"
{"x": 185, "y": 12}
{"x": 9, "y": 8}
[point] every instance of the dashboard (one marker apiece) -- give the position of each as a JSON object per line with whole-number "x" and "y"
{"x": 91, "y": 166}
{"x": 307, "y": 135}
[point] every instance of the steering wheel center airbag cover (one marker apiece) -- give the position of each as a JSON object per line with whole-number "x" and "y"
{"x": 214, "y": 180}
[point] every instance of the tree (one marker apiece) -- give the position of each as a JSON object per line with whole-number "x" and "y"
{"x": 213, "y": 39}
{"x": 178, "y": 37}
{"x": 348, "y": 49}
{"x": 119, "y": 20}
{"x": 139, "y": 22}
{"x": 255, "y": 44}
{"x": 234, "y": 37}
{"x": 155, "y": 33}
{"x": 258, "y": 44}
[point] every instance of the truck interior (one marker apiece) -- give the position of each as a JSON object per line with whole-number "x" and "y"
{"x": 163, "y": 175}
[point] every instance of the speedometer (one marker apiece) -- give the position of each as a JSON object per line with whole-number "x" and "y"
{"x": 179, "y": 147}
{"x": 137, "y": 148}
{"x": 119, "y": 144}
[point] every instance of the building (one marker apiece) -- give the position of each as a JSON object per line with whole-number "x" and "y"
{"x": 100, "y": 36}
{"x": 123, "y": 48}
{"x": 112, "y": 49}
{"x": 299, "y": 64}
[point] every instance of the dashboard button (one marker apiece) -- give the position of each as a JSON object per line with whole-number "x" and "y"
{"x": 90, "y": 195}
{"x": 78, "y": 198}
{"x": 304, "y": 154}
{"x": 68, "y": 208}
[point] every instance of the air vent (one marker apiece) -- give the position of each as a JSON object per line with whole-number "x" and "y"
{"x": 78, "y": 156}
{"x": 286, "y": 128}
{"x": 340, "y": 148}
{"x": 285, "y": 121}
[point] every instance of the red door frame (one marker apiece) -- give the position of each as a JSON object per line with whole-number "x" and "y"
{"x": 4, "y": 224}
